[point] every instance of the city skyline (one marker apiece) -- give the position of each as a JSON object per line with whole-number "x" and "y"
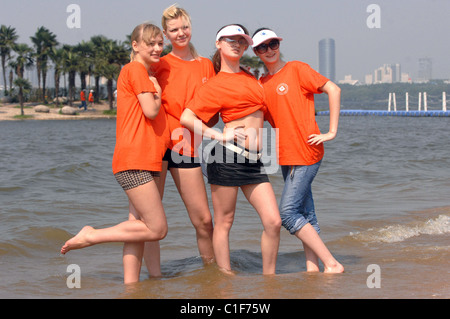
{"x": 368, "y": 34}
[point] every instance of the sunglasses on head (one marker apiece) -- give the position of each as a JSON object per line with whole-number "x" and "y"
{"x": 262, "y": 48}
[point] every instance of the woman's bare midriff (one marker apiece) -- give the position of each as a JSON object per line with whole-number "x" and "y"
{"x": 252, "y": 125}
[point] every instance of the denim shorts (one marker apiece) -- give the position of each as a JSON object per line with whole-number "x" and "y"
{"x": 297, "y": 204}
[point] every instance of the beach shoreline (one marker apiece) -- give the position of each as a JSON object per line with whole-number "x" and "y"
{"x": 9, "y": 111}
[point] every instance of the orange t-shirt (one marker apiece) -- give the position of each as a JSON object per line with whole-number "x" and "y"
{"x": 234, "y": 95}
{"x": 82, "y": 96}
{"x": 140, "y": 142}
{"x": 91, "y": 97}
{"x": 290, "y": 102}
{"x": 179, "y": 80}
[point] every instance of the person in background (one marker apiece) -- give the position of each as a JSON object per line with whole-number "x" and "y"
{"x": 235, "y": 160}
{"x": 91, "y": 98}
{"x": 141, "y": 141}
{"x": 289, "y": 88}
{"x": 83, "y": 100}
{"x": 180, "y": 73}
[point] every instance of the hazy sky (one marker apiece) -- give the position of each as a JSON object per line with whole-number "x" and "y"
{"x": 409, "y": 29}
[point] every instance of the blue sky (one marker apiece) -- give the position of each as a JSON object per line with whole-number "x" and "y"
{"x": 409, "y": 29}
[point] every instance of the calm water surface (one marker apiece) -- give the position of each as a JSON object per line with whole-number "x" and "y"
{"x": 382, "y": 198}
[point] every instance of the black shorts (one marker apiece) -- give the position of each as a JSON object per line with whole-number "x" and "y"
{"x": 177, "y": 160}
{"x": 227, "y": 168}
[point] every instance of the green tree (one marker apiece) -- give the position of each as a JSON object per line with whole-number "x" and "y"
{"x": 58, "y": 57}
{"x": 70, "y": 66}
{"x": 99, "y": 42}
{"x": 44, "y": 40}
{"x": 23, "y": 59}
{"x": 253, "y": 63}
{"x": 115, "y": 55}
{"x": 85, "y": 52}
{"x": 24, "y": 86}
{"x": 8, "y": 39}
{"x": 167, "y": 50}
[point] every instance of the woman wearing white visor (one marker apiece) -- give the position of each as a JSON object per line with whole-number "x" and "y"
{"x": 235, "y": 161}
{"x": 289, "y": 89}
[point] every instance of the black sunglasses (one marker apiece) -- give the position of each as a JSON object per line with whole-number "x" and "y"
{"x": 262, "y": 48}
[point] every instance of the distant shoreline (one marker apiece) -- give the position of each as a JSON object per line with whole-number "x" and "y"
{"x": 9, "y": 111}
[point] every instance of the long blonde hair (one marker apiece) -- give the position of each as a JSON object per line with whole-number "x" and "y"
{"x": 175, "y": 12}
{"x": 144, "y": 32}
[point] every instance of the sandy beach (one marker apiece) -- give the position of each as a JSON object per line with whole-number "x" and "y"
{"x": 8, "y": 111}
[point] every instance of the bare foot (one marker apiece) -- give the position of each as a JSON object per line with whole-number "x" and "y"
{"x": 335, "y": 269}
{"x": 79, "y": 241}
{"x": 312, "y": 267}
{"x": 227, "y": 271}
{"x": 312, "y": 270}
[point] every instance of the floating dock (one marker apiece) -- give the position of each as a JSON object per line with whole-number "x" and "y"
{"x": 389, "y": 113}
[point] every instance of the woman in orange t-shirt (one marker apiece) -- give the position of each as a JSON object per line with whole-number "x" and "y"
{"x": 239, "y": 99}
{"x": 180, "y": 73}
{"x": 141, "y": 141}
{"x": 289, "y": 89}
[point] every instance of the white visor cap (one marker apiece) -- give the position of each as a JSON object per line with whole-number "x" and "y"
{"x": 263, "y": 36}
{"x": 233, "y": 30}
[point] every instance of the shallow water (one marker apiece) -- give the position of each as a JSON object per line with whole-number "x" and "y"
{"x": 381, "y": 197}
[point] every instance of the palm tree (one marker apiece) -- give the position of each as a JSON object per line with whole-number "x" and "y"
{"x": 115, "y": 55}
{"x": 57, "y": 56}
{"x": 70, "y": 63}
{"x": 24, "y": 59}
{"x": 44, "y": 41}
{"x": 99, "y": 42}
{"x": 85, "y": 51}
{"x": 252, "y": 63}
{"x": 8, "y": 38}
{"x": 24, "y": 86}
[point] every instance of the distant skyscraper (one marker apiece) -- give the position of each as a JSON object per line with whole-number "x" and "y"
{"x": 396, "y": 72}
{"x": 425, "y": 68}
{"x": 327, "y": 58}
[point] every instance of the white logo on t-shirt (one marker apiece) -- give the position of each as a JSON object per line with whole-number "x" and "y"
{"x": 282, "y": 89}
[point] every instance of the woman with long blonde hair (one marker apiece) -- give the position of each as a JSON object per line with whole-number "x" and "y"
{"x": 141, "y": 140}
{"x": 180, "y": 73}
